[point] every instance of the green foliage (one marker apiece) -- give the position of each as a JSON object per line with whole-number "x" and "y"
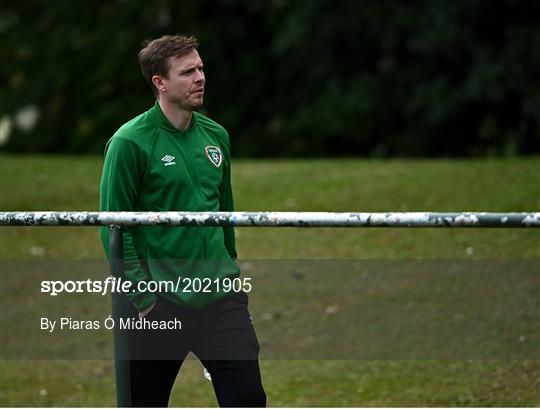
{"x": 299, "y": 78}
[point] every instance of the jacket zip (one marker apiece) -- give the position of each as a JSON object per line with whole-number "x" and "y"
{"x": 196, "y": 180}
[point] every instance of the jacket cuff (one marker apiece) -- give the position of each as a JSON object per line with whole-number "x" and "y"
{"x": 141, "y": 301}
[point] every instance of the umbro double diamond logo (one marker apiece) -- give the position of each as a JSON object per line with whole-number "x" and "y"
{"x": 168, "y": 160}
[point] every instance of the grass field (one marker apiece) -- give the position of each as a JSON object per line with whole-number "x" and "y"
{"x": 496, "y": 185}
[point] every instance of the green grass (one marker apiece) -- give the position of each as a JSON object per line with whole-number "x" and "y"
{"x": 497, "y": 185}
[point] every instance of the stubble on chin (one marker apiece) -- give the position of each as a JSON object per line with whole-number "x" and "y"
{"x": 190, "y": 104}
{"x": 197, "y": 103}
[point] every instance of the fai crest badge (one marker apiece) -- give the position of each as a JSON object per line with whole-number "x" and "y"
{"x": 214, "y": 154}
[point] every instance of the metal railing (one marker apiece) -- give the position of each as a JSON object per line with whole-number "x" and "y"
{"x": 271, "y": 219}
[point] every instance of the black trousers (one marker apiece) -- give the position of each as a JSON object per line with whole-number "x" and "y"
{"x": 221, "y": 336}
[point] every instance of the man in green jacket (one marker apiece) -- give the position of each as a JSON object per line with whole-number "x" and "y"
{"x": 171, "y": 158}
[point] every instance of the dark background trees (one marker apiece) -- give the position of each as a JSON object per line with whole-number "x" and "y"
{"x": 286, "y": 78}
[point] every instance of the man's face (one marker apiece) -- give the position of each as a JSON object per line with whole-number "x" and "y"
{"x": 184, "y": 85}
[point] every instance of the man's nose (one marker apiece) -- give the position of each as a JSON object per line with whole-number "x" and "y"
{"x": 200, "y": 76}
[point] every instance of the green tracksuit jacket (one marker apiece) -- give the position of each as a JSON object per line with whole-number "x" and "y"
{"x": 152, "y": 166}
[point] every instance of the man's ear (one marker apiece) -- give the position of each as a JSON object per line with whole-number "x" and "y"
{"x": 158, "y": 83}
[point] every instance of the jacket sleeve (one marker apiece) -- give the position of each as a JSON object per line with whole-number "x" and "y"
{"x": 122, "y": 176}
{"x": 226, "y": 203}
